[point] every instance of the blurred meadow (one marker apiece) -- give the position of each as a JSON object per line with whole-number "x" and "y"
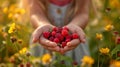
{"x": 103, "y": 33}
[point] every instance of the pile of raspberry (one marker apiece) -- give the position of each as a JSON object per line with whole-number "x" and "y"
{"x": 61, "y": 36}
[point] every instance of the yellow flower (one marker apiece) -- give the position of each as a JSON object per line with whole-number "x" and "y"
{"x": 99, "y": 36}
{"x": 23, "y": 51}
{"x": 114, "y": 3}
{"x": 16, "y": 54}
{"x": 46, "y": 58}
{"x": 20, "y": 11}
{"x": 115, "y": 64}
{"x": 87, "y": 60}
{"x": 12, "y": 28}
{"x": 5, "y": 10}
{"x": 104, "y": 50}
{"x": 109, "y": 27}
{"x": 12, "y": 7}
{"x": 10, "y": 15}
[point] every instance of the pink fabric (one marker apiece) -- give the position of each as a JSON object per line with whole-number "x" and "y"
{"x": 60, "y": 2}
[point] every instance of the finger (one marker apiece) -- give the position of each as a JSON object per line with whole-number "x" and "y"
{"x": 73, "y": 43}
{"x": 81, "y": 35}
{"x": 36, "y": 34}
{"x": 62, "y": 51}
{"x": 45, "y": 42}
{"x": 57, "y": 49}
{"x": 67, "y": 49}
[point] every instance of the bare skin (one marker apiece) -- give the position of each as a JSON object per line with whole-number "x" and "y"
{"x": 41, "y": 24}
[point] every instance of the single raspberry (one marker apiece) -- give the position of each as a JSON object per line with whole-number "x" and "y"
{"x": 75, "y": 36}
{"x": 64, "y": 33}
{"x": 65, "y": 28}
{"x": 56, "y": 40}
{"x": 51, "y": 38}
{"x": 53, "y": 33}
{"x": 59, "y": 36}
{"x": 64, "y": 44}
{"x": 55, "y": 29}
{"x": 59, "y": 30}
{"x": 69, "y": 37}
{"x": 67, "y": 40}
{"x": 46, "y": 34}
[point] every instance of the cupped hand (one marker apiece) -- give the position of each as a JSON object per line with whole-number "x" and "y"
{"x": 75, "y": 42}
{"x": 38, "y": 37}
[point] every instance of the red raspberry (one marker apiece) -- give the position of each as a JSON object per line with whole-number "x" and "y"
{"x": 65, "y": 28}
{"x": 64, "y": 44}
{"x": 56, "y": 40}
{"x": 64, "y": 32}
{"x": 59, "y": 30}
{"x": 67, "y": 40}
{"x": 55, "y": 29}
{"x": 51, "y": 38}
{"x": 69, "y": 37}
{"x": 46, "y": 34}
{"x": 53, "y": 33}
{"x": 59, "y": 36}
{"x": 75, "y": 36}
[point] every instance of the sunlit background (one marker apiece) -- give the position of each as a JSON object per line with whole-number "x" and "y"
{"x": 103, "y": 33}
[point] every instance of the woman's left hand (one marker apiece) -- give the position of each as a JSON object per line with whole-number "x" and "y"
{"x": 75, "y": 42}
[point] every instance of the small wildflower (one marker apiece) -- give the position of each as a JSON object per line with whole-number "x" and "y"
{"x": 13, "y": 39}
{"x": 87, "y": 60}
{"x": 12, "y": 28}
{"x": 23, "y": 51}
{"x": 46, "y": 58}
{"x": 115, "y": 63}
{"x": 107, "y": 9}
{"x": 21, "y": 65}
{"x": 10, "y": 15}
{"x": 28, "y": 53}
{"x": 5, "y": 10}
{"x": 20, "y": 11}
{"x": 20, "y": 41}
{"x": 75, "y": 63}
{"x": 109, "y": 27}
{"x": 104, "y": 50}
{"x": 28, "y": 64}
{"x": 118, "y": 40}
{"x": 115, "y": 32}
{"x": 16, "y": 54}
{"x": 99, "y": 36}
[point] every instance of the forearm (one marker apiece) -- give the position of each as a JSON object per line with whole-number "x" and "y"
{"x": 37, "y": 15}
{"x": 81, "y": 18}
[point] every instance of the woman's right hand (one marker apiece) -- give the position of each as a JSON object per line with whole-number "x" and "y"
{"x": 38, "y": 37}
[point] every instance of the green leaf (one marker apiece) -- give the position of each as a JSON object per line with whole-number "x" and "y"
{"x": 115, "y": 50}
